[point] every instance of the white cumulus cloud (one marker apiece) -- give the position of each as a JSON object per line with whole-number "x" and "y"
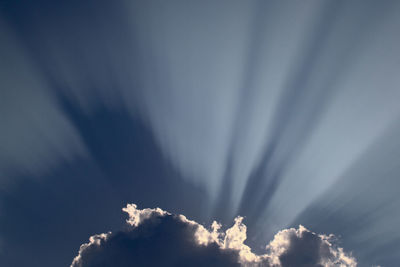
{"x": 290, "y": 247}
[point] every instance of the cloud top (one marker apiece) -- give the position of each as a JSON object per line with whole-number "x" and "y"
{"x": 155, "y": 237}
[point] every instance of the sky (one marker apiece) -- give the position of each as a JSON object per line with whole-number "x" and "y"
{"x": 283, "y": 113}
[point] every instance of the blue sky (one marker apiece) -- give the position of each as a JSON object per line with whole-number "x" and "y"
{"x": 284, "y": 112}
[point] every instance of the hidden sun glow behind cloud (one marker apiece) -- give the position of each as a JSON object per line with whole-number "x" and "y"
{"x": 289, "y": 246}
{"x": 284, "y": 112}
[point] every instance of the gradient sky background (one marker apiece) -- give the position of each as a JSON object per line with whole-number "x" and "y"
{"x": 285, "y": 112}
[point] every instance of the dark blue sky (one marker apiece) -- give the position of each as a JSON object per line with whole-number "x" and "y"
{"x": 284, "y": 112}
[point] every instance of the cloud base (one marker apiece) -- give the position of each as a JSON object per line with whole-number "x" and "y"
{"x": 155, "y": 237}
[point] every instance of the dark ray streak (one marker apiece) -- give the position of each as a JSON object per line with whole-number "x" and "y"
{"x": 369, "y": 18}
{"x": 363, "y": 206}
{"x": 54, "y": 33}
{"x": 323, "y": 95}
{"x": 246, "y": 94}
{"x": 264, "y": 179}
{"x": 76, "y": 199}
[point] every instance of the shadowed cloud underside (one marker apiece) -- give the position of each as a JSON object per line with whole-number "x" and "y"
{"x": 154, "y": 237}
{"x": 284, "y": 112}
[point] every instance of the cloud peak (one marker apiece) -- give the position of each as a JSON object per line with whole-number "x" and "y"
{"x": 156, "y": 236}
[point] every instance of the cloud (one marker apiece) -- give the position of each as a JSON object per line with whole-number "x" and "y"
{"x": 155, "y": 237}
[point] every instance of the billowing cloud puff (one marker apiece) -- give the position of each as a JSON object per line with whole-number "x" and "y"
{"x": 155, "y": 237}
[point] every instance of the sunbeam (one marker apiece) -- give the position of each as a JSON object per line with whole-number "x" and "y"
{"x": 284, "y": 112}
